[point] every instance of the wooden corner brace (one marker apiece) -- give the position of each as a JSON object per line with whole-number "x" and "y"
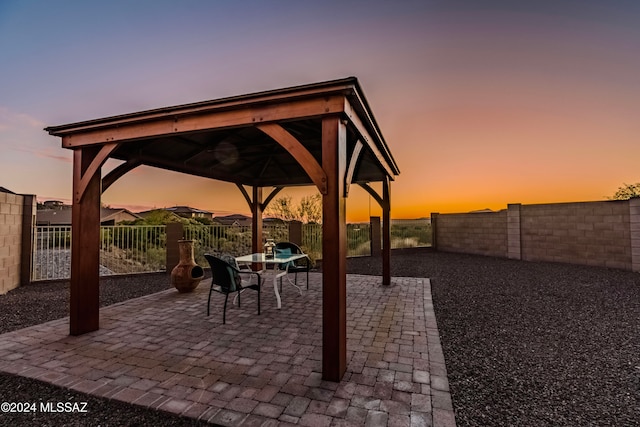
{"x": 299, "y": 152}
{"x": 82, "y": 179}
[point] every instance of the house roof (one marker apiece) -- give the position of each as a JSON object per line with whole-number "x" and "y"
{"x": 63, "y": 216}
{"x": 187, "y": 209}
{"x": 233, "y": 219}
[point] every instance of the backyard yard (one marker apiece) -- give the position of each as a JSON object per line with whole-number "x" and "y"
{"x": 525, "y": 343}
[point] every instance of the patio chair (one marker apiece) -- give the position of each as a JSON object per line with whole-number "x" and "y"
{"x": 226, "y": 279}
{"x": 298, "y": 266}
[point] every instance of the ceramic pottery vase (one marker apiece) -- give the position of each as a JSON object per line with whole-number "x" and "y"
{"x": 186, "y": 276}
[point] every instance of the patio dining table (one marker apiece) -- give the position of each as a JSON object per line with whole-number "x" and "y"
{"x": 278, "y": 259}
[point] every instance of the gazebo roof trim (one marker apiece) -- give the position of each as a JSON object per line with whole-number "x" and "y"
{"x": 348, "y": 86}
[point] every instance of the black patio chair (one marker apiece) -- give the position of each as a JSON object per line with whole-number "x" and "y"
{"x": 225, "y": 279}
{"x": 302, "y": 265}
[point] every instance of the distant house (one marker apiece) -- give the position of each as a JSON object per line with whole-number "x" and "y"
{"x": 234, "y": 219}
{"x": 273, "y": 221}
{"x": 160, "y": 216}
{"x": 54, "y": 204}
{"x": 61, "y": 215}
{"x": 189, "y": 212}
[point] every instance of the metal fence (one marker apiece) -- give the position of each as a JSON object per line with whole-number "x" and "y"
{"x": 51, "y": 253}
{"x": 142, "y": 248}
{"x": 231, "y": 239}
{"x": 123, "y": 250}
{"x": 358, "y": 240}
{"x": 133, "y": 249}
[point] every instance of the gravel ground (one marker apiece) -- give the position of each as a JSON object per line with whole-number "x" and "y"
{"x": 532, "y": 344}
{"x": 526, "y": 344}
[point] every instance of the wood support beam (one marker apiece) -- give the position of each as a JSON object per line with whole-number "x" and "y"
{"x": 119, "y": 172}
{"x": 256, "y": 221}
{"x": 85, "y": 240}
{"x": 353, "y": 162}
{"x": 192, "y": 120}
{"x": 383, "y": 160}
{"x": 334, "y": 251}
{"x": 385, "y": 203}
{"x": 299, "y": 152}
{"x": 246, "y": 196}
{"x": 386, "y": 232}
{"x": 256, "y": 207}
{"x": 270, "y": 197}
{"x": 372, "y": 193}
{"x": 93, "y": 169}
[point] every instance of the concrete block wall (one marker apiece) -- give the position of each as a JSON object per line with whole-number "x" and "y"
{"x": 605, "y": 233}
{"x": 589, "y": 233}
{"x": 514, "y": 232}
{"x": 16, "y": 211}
{"x": 482, "y": 233}
{"x": 634, "y": 233}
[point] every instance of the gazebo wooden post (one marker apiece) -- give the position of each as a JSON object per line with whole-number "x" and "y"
{"x": 256, "y": 220}
{"x": 386, "y": 232}
{"x": 85, "y": 245}
{"x": 334, "y": 251}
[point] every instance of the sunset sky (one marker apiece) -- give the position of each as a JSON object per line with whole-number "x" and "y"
{"x": 482, "y": 103}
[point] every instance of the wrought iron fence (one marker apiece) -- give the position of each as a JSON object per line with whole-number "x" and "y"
{"x": 358, "y": 240}
{"x": 51, "y": 253}
{"x": 123, "y": 250}
{"x": 133, "y": 249}
{"x": 142, "y": 248}
{"x": 231, "y": 239}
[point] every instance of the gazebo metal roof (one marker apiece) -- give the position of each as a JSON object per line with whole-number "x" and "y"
{"x": 322, "y": 134}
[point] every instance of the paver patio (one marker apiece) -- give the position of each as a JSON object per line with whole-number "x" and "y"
{"x": 163, "y": 352}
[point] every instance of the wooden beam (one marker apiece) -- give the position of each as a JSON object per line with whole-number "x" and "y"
{"x": 246, "y": 196}
{"x": 372, "y": 192}
{"x": 386, "y": 232}
{"x": 84, "y": 302}
{"x": 119, "y": 172}
{"x": 270, "y": 197}
{"x": 180, "y": 122}
{"x": 299, "y": 152}
{"x": 385, "y": 204}
{"x": 334, "y": 251}
{"x": 256, "y": 223}
{"x": 91, "y": 170}
{"x": 390, "y": 169}
{"x": 352, "y": 166}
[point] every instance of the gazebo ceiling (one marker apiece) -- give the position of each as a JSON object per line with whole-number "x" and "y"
{"x": 243, "y": 155}
{"x": 222, "y": 139}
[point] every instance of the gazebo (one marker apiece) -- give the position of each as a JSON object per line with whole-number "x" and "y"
{"x": 322, "y": 134}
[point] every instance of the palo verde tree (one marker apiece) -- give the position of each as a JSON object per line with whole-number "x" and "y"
{"x": 627, "y": 191}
